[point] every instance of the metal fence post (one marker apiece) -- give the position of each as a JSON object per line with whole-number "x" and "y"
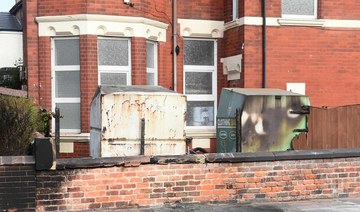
{"x": 57, "y": 131}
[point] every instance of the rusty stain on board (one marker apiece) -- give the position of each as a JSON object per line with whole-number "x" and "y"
{"x": 121, "y": 114}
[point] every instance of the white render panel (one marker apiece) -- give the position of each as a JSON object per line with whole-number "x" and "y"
{"x": 66, "y": 147}
{"x": 107, "y": 25}
{"x": 121, "y": 115}
{"x": 12, "y": 48}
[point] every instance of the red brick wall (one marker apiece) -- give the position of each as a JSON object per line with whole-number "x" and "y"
{"x": 88, "y": 76}
{"x": 138, "y": 61}
{"x": 228, "y": 7}
{"x": 332, "y": 9}
{"x": 253, "y": 8}
{"x": 157, "y": 10}
{"x": 45, "y": 72}
{"x": 31, "y": 49}
{"x": 252, "y": 57}
{"x": 119, "y": 187}
{"x": 81, "y": 150}
{"x": 326, "y": 60}
{"x": 17, "y": 184}
{"x": 203, "y": 9}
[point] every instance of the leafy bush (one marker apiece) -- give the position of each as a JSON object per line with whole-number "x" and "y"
{"x": 19, "y": 119}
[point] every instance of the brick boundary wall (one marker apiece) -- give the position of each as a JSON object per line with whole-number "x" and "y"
{"x": 83, "y": 184}
{"x": 17, "y": 183}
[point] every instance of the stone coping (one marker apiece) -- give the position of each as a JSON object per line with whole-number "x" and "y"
{"x": 17, "y": 160}
{"x": 237, "y": 157}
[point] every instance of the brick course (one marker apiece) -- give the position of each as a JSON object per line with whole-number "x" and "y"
{"x": 17, "y": 184}
{"x": 119, "y": 187}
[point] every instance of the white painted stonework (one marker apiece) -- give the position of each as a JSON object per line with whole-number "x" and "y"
{"x": 106, "y": 25}
{"x": 232, "y": 67}
{"x": 277, "y": 21}
{"x": 11, "y": 44}
{"x": 201, "y": 28}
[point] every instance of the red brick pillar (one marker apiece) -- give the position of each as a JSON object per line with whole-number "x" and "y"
{"x": 45, "y": 72}
{"x": 88, "y": 77}
{"x": 138, "y": 61}
{"x": 31, "y": 49}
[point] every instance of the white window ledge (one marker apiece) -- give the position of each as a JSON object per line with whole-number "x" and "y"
{"x": 74, "y": 136}
{"x": 233, "y": 24}
{"x": 299, "y": 22}
{"x": 197, "y": 133}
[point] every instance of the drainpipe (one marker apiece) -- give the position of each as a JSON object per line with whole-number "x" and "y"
{"x": 263, "y": 5}
{"x": 174, "y": 35}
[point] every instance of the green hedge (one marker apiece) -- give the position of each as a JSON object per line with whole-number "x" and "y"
{"x": 19, "y": 119}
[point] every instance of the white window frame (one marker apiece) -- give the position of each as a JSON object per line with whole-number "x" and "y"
{"x": 203, "y": 97}
{"x": 155, "y": 69}
{"x": 235, "y": 9}
{"x": 57, "y": 68}
{"x": 116, "y": 69}
{"x": 305, "y": 17}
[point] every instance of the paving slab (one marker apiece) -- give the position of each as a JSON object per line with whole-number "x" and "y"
{"x": 322, "y": 205}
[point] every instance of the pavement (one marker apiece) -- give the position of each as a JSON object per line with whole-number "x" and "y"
{"x": 322, "y": 205}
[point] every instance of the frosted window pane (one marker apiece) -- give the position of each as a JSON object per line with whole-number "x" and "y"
{"x": 67, "y": 52}
{"x": 298, "y": 7}
{"x": 198, "y": 83}
{"x": 150, "y": 79}
{"x": 113, "y": 79}
{"x": 150, "y": 59}
{"x": 200, "y": 113}
{"x": 198, "y": 52}
{"x": 71, "y": 115}
{"x": 67, "y": 84}
{"x": 113, "y": 52}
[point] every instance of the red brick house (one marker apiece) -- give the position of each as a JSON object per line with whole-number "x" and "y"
{"x": 71, "y": 47}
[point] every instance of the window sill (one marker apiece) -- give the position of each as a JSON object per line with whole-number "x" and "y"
{"x": 301, "y": 22}
{"x": 79, "y": 137}
{"x": 232, "y": 24}
{"x": 201, "y": 133}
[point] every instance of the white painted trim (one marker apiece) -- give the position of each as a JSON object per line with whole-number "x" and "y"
{"x": 196, "y": 133}
{"x": 11, "y": 32}
{"x": 201, "y": 28}
{"x": 333, "y": 23}
{"x": 108, "y": 25}
{"x": 74, "y": 137}
{"x": 277, "y": 21}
